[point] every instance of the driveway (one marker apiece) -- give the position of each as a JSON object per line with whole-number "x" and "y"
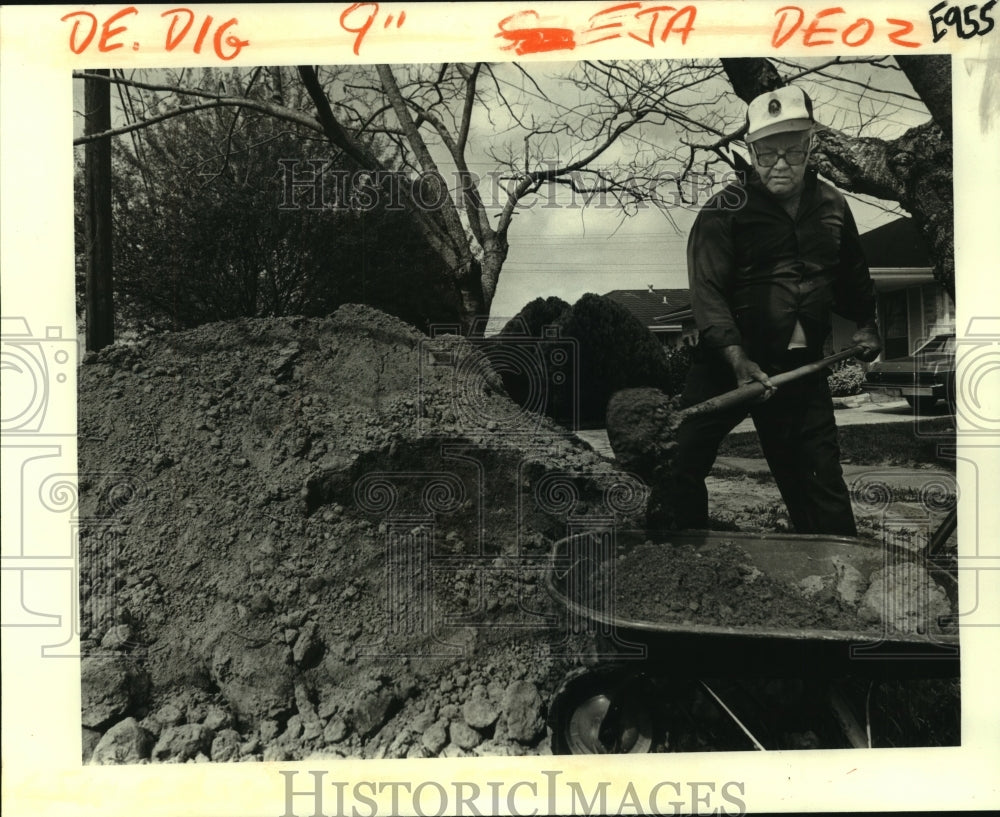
{"x": 862, "y": 411}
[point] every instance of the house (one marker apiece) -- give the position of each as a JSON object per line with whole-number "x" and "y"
{"x": 912, "y": 306}
{"x": 664, "y": 312}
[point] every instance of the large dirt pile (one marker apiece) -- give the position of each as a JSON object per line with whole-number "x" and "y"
{"x": 308, "y": 536}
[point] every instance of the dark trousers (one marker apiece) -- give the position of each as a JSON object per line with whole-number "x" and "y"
{"x": 798, "y": 434}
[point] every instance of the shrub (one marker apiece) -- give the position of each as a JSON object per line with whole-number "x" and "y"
{"x": 525, "y": 369}
{"x": 199, "y": 235}
{"x": 616, "y": 352}
{"x": 535, "y": 316}
{"x": 679, "y": 359}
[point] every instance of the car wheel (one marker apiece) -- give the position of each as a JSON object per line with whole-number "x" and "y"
{"x": 922, "y": 405}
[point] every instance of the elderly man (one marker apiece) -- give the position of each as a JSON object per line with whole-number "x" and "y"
{"x": 768, "y": 260}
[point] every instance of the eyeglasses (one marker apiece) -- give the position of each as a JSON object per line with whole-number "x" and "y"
{"x": 769, "y": 158}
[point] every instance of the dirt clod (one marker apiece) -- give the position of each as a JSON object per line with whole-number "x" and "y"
{"x": 112, "y": 688}
{"x": 904, "y": 600}
{"x": 256, "y": 681}
{"x": 335, "y": 731}
{"x": 522, "y": 708}
{"x": 125, "y": 742}
{"x": 435, "y": 737}
{"x": 169, "y": 715}
{"x": 225, "y": 746}
{"x": 179, "y": 743}
{"x": 479, "y": 712}
{"x": 464, "y": 736}
{"x": 89, "y": 740}
{"x": 118, "y": 637}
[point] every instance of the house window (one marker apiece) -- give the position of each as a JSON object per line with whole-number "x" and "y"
{"x": 937, "y": 310}
{"x": 895, "y": 325}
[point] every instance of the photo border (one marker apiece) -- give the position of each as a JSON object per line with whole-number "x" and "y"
{"x": 40, "y": 734}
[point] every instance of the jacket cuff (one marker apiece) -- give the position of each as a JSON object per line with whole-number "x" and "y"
{"x": 715, "y": 337}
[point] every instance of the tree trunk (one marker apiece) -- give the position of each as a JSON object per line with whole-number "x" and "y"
{"x": 474, "y": 308}
{"x": 930, "y": 76}
{"x": 751, "y": 76}
{"x": 97, "y": 157}
{"x": 494, "y": 255}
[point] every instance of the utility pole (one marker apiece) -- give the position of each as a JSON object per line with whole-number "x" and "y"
{"x": 97, "y": 160}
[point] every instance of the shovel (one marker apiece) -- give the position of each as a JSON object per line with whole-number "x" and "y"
{"x": 657, "y": 513}
{"x": 749, "y": 392}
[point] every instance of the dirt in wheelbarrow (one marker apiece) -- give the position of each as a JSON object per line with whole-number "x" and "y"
{"x": 723, "y": 587}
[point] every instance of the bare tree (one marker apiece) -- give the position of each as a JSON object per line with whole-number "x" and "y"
{"x": 627, "y": 132}
{"x": 533, "y": 133}
{"x": 429, "y": 115}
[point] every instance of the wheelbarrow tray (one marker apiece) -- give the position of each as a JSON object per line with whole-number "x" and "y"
{"x": 702, "y": 647}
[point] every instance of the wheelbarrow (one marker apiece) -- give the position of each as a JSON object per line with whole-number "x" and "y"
{"x": 613, "y": 706}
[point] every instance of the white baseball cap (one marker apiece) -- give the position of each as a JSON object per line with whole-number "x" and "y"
{"x": 779, "y": 111}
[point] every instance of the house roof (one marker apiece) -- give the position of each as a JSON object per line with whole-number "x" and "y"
{"x": 652, "y": 306}
{"x": 897, "y": 244}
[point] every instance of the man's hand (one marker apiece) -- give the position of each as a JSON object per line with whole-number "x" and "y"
{"x": 867, "y": 336}
{"x": 746, "y": 370}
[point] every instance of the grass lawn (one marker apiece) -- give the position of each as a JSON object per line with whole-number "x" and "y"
{"x": 875, "y": 444}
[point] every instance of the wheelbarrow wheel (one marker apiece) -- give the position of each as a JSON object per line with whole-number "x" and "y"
{"x": 603, "y": 712}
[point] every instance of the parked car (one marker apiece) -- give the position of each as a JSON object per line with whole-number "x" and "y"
{"x": 923, "y": 378}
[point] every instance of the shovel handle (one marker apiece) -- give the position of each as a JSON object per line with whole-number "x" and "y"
{"x": 749, "y": 392}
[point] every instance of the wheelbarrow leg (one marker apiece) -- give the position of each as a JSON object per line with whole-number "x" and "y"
{"x": 943, "y": 531}
{"x": 732, "y": 715}
{"x": 853, "y": 731}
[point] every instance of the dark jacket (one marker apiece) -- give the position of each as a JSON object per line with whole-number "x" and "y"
{"x": 753, "y": 270}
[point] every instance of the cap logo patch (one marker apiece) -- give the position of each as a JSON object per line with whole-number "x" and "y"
{"x": 774, "y": 107}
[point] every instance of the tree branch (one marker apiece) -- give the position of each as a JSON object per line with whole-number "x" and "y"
{"x": 455, "y": 233}
{"x": 470, "y": 100}
{"x": 930, "y": 76}
{"x": 331, "y": 127}
{"x": 221, "y": 102}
